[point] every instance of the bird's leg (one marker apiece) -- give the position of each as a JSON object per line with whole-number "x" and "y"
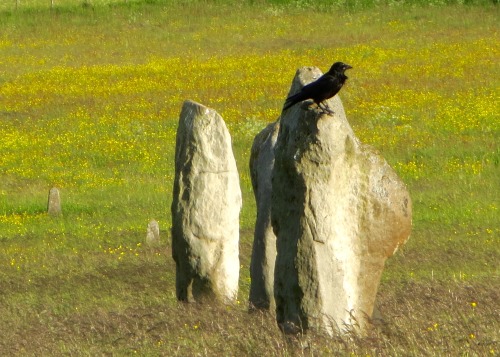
{"x": 325, "y": 108}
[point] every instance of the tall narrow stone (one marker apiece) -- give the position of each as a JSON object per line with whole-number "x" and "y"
{"x": 205, "y": 208}
{"x": 54, "y": 203}
{"x": 339, "y": 211}
{"x": 264, "y": 243}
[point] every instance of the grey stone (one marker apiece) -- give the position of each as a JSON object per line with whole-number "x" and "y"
{"x": 153, "y": 233}
{"x": 264, "y": 244}
{"x": 205, "y": 208}
{"x": 54, "y": 203}
{"x": 338, "y": 211}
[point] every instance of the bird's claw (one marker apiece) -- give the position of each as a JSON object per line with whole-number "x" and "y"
{"x": 326, "y": 109}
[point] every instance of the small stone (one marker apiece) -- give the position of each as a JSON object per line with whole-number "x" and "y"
{"x": 153, "y": 233}
{"x": 54, "y": 203}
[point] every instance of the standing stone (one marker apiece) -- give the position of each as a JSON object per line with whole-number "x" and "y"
{"x": 205, "y": 208}
{"x": 264, "y": 243}
{"x": 339, "y": 211}
{"x": 54, "y": 203}
{"x": 153, "y": 233}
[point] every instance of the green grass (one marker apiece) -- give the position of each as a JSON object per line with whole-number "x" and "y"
{"x": 89, "y": 102}
{"x": 323, "y": 5}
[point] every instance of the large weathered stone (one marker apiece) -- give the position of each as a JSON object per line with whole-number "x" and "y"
{"x": 339, "y": 211}
{"x": 264, "y": 244}
{"x": 205, "y": 208}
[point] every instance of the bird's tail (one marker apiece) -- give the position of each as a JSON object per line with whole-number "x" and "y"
{"x": 292, "y": 100}
{"x": 287, "y": 104}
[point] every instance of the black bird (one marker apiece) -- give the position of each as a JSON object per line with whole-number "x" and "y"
{"x": 322, "y": 89}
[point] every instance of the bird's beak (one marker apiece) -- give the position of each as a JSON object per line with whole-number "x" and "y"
{"x": 347, "y": 66}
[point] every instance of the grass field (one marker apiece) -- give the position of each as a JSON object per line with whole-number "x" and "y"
{"x": 89, "y": 103}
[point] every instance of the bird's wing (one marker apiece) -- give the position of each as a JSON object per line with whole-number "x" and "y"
{"x": 297, "y": 97}
{"x": 321, "y": 89}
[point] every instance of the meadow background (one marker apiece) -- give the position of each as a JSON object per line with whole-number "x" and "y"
{"x": 90, "y": 94}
